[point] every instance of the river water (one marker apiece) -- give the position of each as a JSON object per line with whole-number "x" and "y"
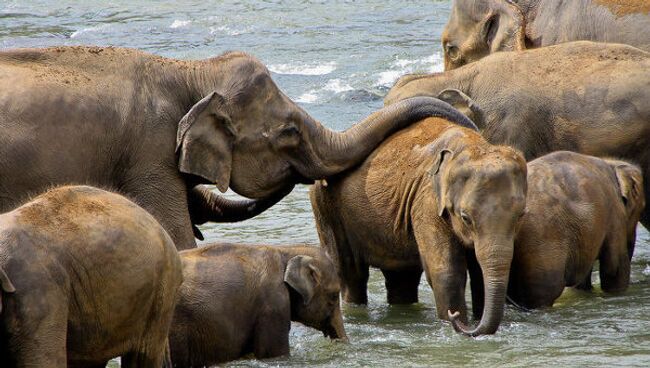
{"x": 337, "y": 59}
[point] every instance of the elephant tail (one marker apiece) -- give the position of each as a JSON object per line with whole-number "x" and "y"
{"x": 5, "y": 286}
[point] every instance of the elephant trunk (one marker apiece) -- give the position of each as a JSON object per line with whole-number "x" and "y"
{"x": 495, "y": 263}
{"x": 205, "y": 205}
{"x": 335, "y": 328}
{"x": 332, "y": 152}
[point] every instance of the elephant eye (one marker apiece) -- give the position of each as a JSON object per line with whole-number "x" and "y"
{"x": 466, "y": 219}
{"x": 452, "y": 51}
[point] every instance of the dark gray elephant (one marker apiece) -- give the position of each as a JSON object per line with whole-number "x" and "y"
{"x": 154, "y": 128}
{"x": 477, "y": 28}
{"x": 580, "y": 96}
{"x": 241, "y": 299}
{"x": 94, "y": 277}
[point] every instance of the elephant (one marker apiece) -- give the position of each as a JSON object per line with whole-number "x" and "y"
{"x": 477, "y": 28}
{"x": 95, "y": 277}
{"x": 238, "y": 299}
{"x": 436, "y": 198}
{"x": 579, "y": 209}
{"x": 584, "y": 97}
{"x": 154, "y": 128}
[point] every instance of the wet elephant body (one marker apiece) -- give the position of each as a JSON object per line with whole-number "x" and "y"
{"x": 94, "y": 277}
{"x": 240, "y": 299}
{"x": 580, "y": 209}
{"x": 435, "y": 198}
{"x": 477, "y": 28}
{"x": 154, "y": 128}
{"x": 584, "y": 97}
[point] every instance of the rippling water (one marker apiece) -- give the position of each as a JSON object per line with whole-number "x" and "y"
{"x": 337, "y": 59}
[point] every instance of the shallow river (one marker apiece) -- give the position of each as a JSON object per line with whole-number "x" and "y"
{"x": 337, "y": 59}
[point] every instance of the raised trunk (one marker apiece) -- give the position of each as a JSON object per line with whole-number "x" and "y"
{"x": 496, "y": 268}
{"x": 205, "y": 205}
{"x": 332, "y": 152}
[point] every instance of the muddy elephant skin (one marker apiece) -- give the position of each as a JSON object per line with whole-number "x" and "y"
{"x": 435, "y": 198}
{"x": 584, "y": 97}
{"x": 579, "y": 209}
{"x": 153, "y": 128}
{"x": 241, "y": 299}
{"x": 477, "y": 28}
{"x": 94, "y": 277}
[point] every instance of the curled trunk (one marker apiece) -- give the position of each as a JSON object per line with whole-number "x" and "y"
{"x": 207, "y": 206}
{"x": 332, "y": 152}
{"x": 496, "y": 269}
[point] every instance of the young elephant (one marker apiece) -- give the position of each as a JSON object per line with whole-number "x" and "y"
{"x": 580, "y": 209}
{"x": 435, "y": 197}
{"x": 241, "y": 299}
{"x": 95, "y": 278}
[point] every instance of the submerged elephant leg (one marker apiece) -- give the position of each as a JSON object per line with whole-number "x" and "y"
{"x": 142, "y": 360}
{"x": 614, "y": 264}
{"x": 586, "y": 283}
{"x": 402, "y": 286}
{"x": 476, "y": 284}
{"x": 354, "y": 283}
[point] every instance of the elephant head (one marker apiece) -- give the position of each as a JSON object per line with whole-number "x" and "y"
{"x": 5, "y": 285}
{"x": 246, "y": 134}
{"x": 314, "y": 288}
{"x": 477, "y": 28}
{"x": 481, "y": 193}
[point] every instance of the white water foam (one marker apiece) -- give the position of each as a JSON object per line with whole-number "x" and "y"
{"x": 332, "y": 87}
{"x": 429, "y": 64}
{"x": 304, "y": 69}
{"x": 227, "y": 30}
{"x": 180, "y": 23}
{"x": 93, "y": 29}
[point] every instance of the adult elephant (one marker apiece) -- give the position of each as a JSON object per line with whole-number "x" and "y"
{"x": 585, "y": 97}
{"x": 477, "y": 28}
{"x": 153, "y": 128}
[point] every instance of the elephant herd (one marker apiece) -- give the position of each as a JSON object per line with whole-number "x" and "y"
{"x": 520, "y": 166}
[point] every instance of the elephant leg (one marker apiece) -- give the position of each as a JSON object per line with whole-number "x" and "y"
{"x": 445, "y": 266}
{"x": 354, "y": 282}
{"x": 614, "y": 264}
{"x": 402, "y": 286}
{"x": 46, "y": 346}
{"x": 586, "y": 283}
{"x": 645, "y": 215}
{"x": 476, "y": 284}
{"x": 272, "y": 334}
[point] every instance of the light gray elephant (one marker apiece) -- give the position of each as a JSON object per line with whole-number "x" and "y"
{"x": 477, "y": 28}
{"x": 581, "y": 96}
{"x": 153, "y": 128}
{"x": 94, "y": 277}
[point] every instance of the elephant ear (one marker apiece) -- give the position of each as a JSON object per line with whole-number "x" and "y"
{"x": 436, "y": 174}
{"x": 303, "y": 276}
{"x": 204, "y": 141}
{"x": 463, "y": 103}
{"x": 504, "y": 28}
{"x": 629, "y": 183}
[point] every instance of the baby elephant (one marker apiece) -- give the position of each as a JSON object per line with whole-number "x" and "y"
{"x": 89, "y": 276}
{"x": 580, "y": 209}
{"x": 433, "y": 197}
{"x": 241, "y": 299}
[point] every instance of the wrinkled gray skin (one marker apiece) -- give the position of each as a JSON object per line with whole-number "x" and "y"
{"x": 435, "y": 198}
{"x": 95, "y": 277}
{"x": 582, "y": 96}
{"x": 154, "y": 128}
{"x": 477, "y": 28}
{"x": 579, "y": 209}
{"x": 241, "y": 299}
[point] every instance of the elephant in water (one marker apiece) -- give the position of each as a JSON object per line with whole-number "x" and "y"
{"x": 582, "y": 96}
{"x": 241, "y": 299}
{"x": 477, "y": 28}
{"x": 433, "y": 197}
{"x": 153, "y": 128}
{"x": 579, "y": 209}
{"x": 94, "y": 277}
